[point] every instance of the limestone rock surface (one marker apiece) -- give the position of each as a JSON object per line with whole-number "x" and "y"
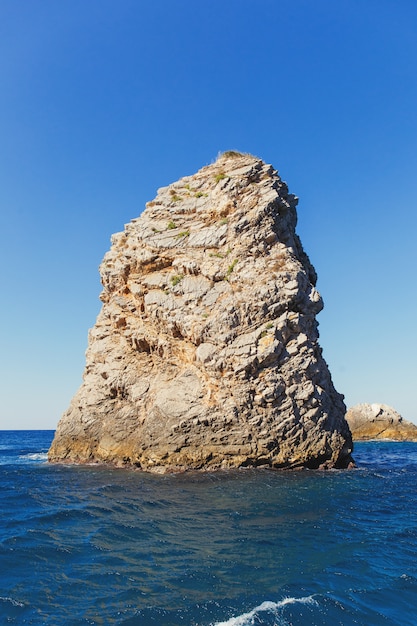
{"x": 379, "y": 421}
{"x": 205, "y": 353}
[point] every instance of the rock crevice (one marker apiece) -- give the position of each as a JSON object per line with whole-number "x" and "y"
{"x": 205, "y": 353}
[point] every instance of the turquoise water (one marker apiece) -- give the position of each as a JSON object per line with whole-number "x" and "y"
{"x": 92, "y": 545}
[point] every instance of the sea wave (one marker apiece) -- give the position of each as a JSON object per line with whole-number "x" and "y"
{"x": 248, "y": 619}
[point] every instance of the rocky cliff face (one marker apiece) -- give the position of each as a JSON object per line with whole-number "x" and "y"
{"x": 205, "y": 352}
{"x": 379, "y": 421}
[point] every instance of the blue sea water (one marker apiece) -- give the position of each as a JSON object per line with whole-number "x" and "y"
{"x": 94, "y": 545}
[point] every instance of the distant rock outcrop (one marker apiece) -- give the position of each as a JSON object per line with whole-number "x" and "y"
{"x": 379, "y": 421}
{"x": 205, "y": 353}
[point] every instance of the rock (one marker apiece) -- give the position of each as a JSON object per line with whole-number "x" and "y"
{"x": 379, "y": 421}
{"x": 205, "y": 352}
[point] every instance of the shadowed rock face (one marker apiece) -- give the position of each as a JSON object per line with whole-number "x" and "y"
{"x": 379, "y": 421}
{"x": 205, "y": 352}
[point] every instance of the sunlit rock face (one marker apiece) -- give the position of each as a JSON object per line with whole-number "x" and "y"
{"x": 379, "y": 421}
{"x": 205, "y": 352}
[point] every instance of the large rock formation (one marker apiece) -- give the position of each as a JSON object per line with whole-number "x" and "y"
{"x": 205, "y": 352}
{"x": 379, "y": 421}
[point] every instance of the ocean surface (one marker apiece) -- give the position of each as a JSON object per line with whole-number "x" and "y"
{"x": 93, "y": 545}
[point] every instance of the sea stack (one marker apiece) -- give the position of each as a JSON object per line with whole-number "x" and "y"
{"x": 205, "y": 354}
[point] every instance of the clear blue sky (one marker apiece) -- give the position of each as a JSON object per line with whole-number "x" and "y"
{"x": 102, "y": 102}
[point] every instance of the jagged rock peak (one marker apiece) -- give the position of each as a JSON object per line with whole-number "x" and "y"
{"x": 205, "y": 353}
{"x": 379, "y": 421}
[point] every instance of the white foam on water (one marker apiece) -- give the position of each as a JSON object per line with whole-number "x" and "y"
{"x": 13, "y": 602}
{"x": 247, "y": 619}
{"x": 35, "y": 456}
